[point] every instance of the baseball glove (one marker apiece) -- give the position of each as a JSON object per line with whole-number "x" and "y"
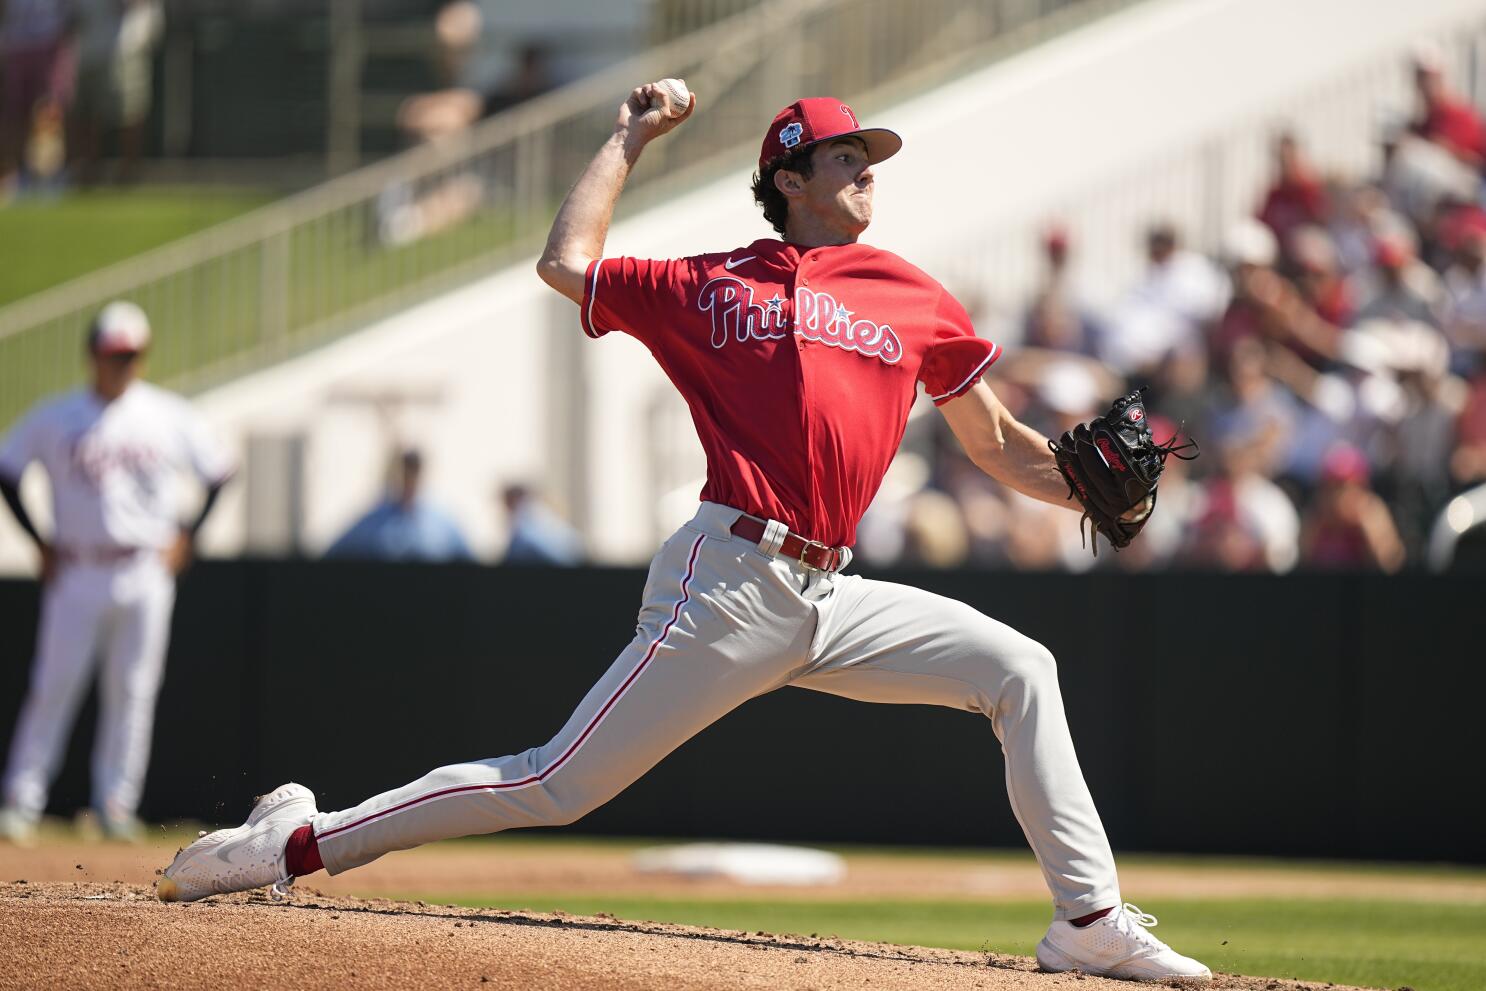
{"x": 1112, "y": 465}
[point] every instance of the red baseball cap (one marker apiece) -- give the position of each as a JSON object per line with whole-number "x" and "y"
{"x": 817, "y": 118}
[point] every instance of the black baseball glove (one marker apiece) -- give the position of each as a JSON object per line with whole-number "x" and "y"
{"x": 1112, "y": 465}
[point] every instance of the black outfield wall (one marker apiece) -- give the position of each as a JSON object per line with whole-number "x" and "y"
{"x": 1309, "y": 715}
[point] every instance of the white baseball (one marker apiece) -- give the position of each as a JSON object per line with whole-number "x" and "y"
{"x": 675, "y": 90}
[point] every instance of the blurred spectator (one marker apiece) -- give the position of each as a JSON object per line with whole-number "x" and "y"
{"x": 1465, "y": 304}
{"x": 882, "y": 533}
{"x": 1245, "y": 522}
{"x": 1219, "y": 539}
{"x": 1420, "y": 441}
{"x": 1468, "y": 460}
{"x": 1179, "y": 294}
{"x": 474, "y": 88}
{"x": 1318, "y": 275}
{"x": 1401, "y": 287}
{"x": 1058, "y": 319}
{"x": 34, "y": 72}
{"x": 1358, "y": 215}
{"x": 1348, "y": 526}
{"x": 1266, "y": 306}
{"x": 935, "y": 535}
{"x": 115, "y": 39}
{"x": 404, "y": 526}
{"x": 1297, "y": 196}
{"x": 1253, "y": 405}
{"x": 1419, "y": 174}
{"x": 1180, "y": 391}
{"x": 538, "y": 535}
{"x": 1444, "y": 117}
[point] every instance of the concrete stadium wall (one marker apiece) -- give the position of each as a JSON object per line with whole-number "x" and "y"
{"x": 1164, "y": 109}
{"x": 1332, "y": 716}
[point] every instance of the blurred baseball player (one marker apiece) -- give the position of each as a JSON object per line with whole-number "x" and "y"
{"x": 113, "y": 452}
{"x": 800, "y": 360}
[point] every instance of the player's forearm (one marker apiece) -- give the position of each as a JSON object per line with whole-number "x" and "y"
{"x": 1007, "y": 450}
{"x": 11, "y": 490}
{"x": 207, "y": 502}
{"x": 1026, "y": 464}
{"x": 582, "y": 223}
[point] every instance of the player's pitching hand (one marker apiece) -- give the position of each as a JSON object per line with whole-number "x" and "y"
{"x": 178, "y": 555}
{"x": 646, "y": 115}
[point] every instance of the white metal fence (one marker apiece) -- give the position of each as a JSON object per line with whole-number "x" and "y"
{"x": 287, "y": 277}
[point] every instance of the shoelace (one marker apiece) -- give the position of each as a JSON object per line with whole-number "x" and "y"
{"x": 279, "y": 890}
{"x": 1131, "y": 921}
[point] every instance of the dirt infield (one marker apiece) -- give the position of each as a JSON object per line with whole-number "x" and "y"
{"x": 114, "y": 935}
{"x": 515, "y": 866}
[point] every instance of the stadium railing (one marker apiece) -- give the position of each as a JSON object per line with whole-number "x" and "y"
{"x": 325, "y": 262}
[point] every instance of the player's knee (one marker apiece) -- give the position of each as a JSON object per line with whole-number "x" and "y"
{"x": 567, "y": 807}
{"x": 1033, "y": 668}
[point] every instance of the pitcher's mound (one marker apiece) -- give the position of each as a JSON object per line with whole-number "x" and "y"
{"x": 119, "y": 936}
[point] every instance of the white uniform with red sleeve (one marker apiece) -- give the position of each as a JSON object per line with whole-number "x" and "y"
{"x": 115, "y": 471}
{"x": 799, "y": 367}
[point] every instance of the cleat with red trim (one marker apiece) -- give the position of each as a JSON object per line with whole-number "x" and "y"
{"x": 246, "y": 857}
{"x": 1117, "y": 945}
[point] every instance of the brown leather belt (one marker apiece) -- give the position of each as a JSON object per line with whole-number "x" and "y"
{"x": 810, "y": 553}
{"x": 97, "y": 555}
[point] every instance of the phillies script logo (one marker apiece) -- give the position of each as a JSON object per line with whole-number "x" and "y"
{"x": 818, "y": 317}
{"x": 735, "y": 314}
{"x": 1111, "y": 457}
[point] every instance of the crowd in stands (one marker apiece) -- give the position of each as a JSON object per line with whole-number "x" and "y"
{"x": 75, "y": 78}
{"x": 1329, "y": 360}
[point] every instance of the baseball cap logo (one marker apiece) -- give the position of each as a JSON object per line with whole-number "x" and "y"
{"x": 850, "y": 116}
{"x": 789, "y": 135}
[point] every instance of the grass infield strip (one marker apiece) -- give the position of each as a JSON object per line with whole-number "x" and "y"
{"x": 1429, "y": 946}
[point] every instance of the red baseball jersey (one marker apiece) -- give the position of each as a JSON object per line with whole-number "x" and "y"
{"x": 799, "y": 365}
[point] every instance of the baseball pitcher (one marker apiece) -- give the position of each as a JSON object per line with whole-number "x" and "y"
{"x": 113, "y": 452}
{"x": 800, "y": 357}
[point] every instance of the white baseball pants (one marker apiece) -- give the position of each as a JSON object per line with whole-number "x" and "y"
{"x": 119, "y": 613}
{"x": 722, "y": 623}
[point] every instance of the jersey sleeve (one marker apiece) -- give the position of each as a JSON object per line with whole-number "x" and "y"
{"x": 21, "y": 446}
{"x": 957, "y": 358}
{"x": 205, "y": 452}
{"x": 637, "y": 296}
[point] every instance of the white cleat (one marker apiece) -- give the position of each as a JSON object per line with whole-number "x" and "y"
{"x": 249, "y": 856}
{"x": 1120, "y": 946}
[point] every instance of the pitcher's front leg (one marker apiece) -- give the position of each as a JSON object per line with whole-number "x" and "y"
{"x": 881, "y": 642}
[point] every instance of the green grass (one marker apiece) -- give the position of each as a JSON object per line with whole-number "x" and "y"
{"x": 1430, "y": 947}
{"x": 216, "y": 318}
{"x": 52, "y": 241}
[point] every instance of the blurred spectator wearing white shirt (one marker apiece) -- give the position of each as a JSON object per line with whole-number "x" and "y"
{"x": 1179, "y": 294}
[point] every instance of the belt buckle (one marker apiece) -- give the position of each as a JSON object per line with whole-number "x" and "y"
{"x": 805, "y": 549}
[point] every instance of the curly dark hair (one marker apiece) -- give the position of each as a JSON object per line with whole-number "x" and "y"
{"x": 768, "y": 196}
